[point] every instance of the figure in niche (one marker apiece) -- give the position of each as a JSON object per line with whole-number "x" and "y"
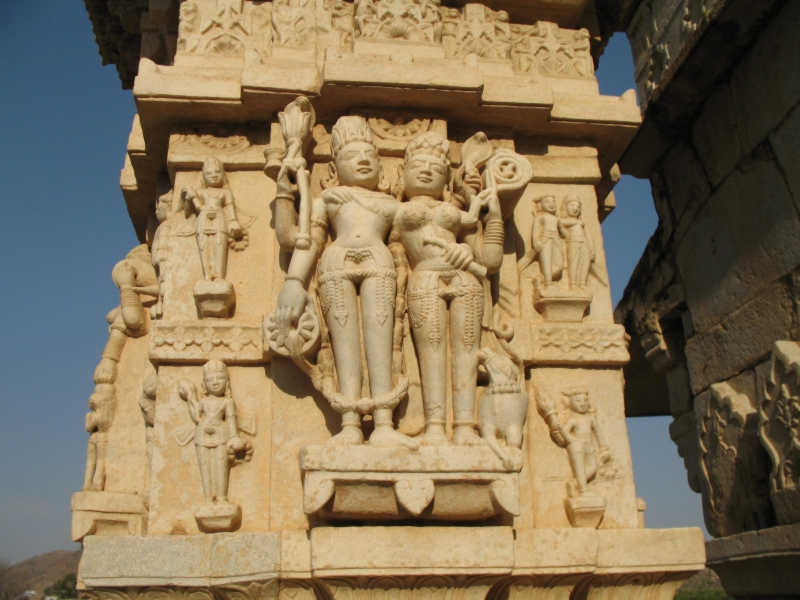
{"x": 102, "y": 403}
{"x": 580, "y": 249}
{"x": 580, "y": 434}
{"x": 159, "y": 250}
{"x": 356, "y": 264}
{"x": 216, "y": 226}
{"x": 445, "y": 293}
{"x": 547, "y": 234}
{"x": 216, "y": 438}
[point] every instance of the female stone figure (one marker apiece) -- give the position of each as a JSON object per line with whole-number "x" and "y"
{"x": 580, "y": 249}
{"x": 447, "y": 264}
{"x": 216, "y": 439}
{"x": 357, "y": 263}
{"x": 216, "y": 219}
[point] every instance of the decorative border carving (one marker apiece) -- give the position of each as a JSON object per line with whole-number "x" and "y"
{"x": 197, "y": 343}
{"x": 564, "y": 344}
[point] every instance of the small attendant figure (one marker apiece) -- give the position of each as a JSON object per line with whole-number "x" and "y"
{"x": 578, "y": 434}
{"x": 580, "y": 249}
{"x": 217, "y": 441}
{"x": 216, "y": 225}
{"x": 98, "y": 422}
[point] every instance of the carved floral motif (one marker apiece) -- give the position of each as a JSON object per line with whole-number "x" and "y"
{"x": 196, "y": 343}
{"x": 228, "y": 30}
{"x": 477, "y": 30}
{"x": 546, "y": 49}
{"x": 563, "y": 343}
{"x": 413, "y": 20}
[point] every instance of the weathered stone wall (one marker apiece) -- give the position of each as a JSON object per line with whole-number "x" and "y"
{"x": 717, "y": 285}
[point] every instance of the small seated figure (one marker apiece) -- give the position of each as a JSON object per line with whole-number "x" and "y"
{"x": 546, "y": 241}
{"x": 102, "y": 403}
{"x": 580, "y": 249}
{"x": 217, "y": 441}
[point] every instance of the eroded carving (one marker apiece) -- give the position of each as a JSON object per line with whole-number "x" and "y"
{"x": 546, "y": 49}
{"x": 779, "y": 429}
{"x": 218, "y": 443}
{"x": 477, "y": 30}
{"x": 292, "y": 22}
{"x": 102, "y": 404}
{"x": 733, "y": 467}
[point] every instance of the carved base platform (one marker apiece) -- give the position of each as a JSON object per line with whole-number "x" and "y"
{"x": 415, "y": 563}
{"x": 437, "y": 483}
{"x": 214, "y": 298}
{"x": 585, "y": 511}
{"x": 214, "y": 517}
{"x": 559, "y": 305}
{"x": 107, "y": 513}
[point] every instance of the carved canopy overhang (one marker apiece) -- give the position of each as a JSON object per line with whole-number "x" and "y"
{"x": 118, "y": 31}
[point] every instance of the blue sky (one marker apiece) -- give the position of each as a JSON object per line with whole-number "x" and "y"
{"x": 65, "y": 121}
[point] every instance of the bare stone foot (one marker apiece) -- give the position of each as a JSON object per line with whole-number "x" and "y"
{"x": 435, "y": 436}
{"x": 350, "y": 435}
{"x": 464, "y": 435}
{"x": 384, "y": 435}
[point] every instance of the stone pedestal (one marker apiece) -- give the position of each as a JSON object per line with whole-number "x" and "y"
{"x": 214, "y": 298}
{"x": 561, "y": 305}
{"x": 433, "y": 483}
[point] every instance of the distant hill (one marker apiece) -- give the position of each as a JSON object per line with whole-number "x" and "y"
{"x": 40, "y": 571}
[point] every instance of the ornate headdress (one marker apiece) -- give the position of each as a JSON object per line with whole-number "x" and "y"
{"x": 432, "y": 143}
{"x": 215, "y": 366}
{"x": 348, "y": 130}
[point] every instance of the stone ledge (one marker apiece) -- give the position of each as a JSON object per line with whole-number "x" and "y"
{"x": 197, "y": 342}
{"x": 181, "y": 560}
{"x": 379, "y": 551}
{"x": 783, "y": 539}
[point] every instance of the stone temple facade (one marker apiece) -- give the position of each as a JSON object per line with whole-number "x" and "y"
{"x": 712, "y": 308}
{"x": 366, "y": 346}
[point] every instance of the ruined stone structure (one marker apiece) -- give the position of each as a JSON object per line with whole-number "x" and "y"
{"x": 712, "y": 306}
{"x": 366, "y": 345}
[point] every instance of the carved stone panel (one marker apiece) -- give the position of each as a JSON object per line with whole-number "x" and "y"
{"x": 195, "y": 343}
{"x": 733, "y": 464}
{"x": 779, "y": 429}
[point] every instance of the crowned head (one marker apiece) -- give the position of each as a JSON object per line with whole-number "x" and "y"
{"x": 215, "y": 377}
{"x": 572, "y": 206}
{"x": 427, "y": 165}
{"x": 354, "y": 153}
{"x": 213, "y": 172}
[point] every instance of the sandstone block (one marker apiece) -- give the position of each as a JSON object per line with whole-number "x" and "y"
{"x": 715, "y": 135}
{"x": 378, "y": 551}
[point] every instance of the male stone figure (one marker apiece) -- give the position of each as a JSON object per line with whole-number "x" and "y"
{"x": 356, "y": 263}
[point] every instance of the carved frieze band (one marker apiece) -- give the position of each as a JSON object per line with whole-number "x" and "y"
{"x": 198, "y": 343}
{"x": 566, "y": 344}
{"x": 233, "y": 28}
